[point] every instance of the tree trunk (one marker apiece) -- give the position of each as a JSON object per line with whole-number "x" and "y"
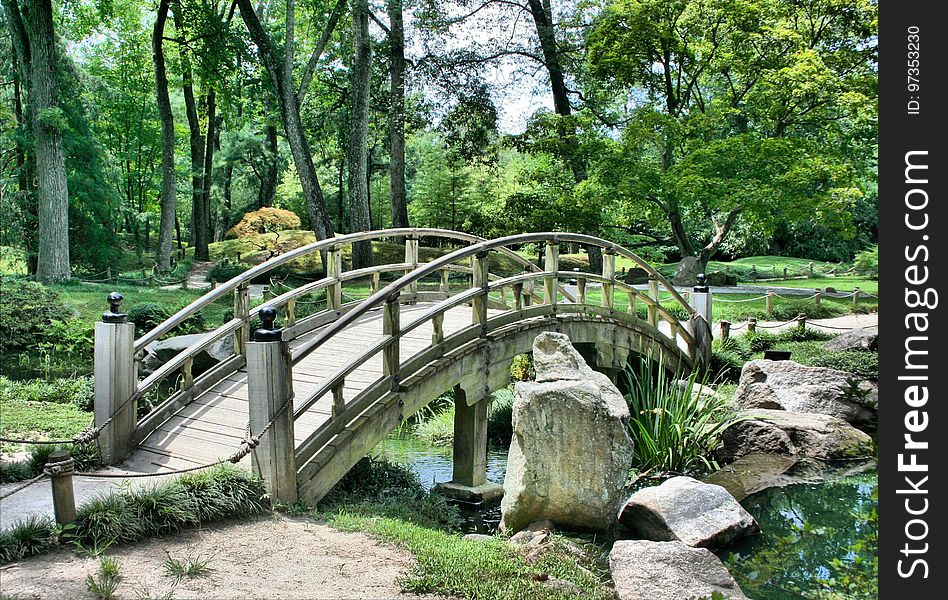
{"x": 212, "y": 141}
{"x": 281, "y": 75}
{"x": 52, "y": 187}
{"x": 168, "y": 198}
{"x": 359, "y": 215}
{"x": 340, "y": 195}
{"x": 271, "y": 173}
{"x": 396, "y": 165}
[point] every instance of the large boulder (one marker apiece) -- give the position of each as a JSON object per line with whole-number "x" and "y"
{"x": 160, "y": 352}
{"x": 668, "y": 571}
{"x": 808, "y": 435}
{"x": 854, "y": 339}
{"x": 720, "y": 278}
{"x": 687, "y": 272}
{"x": 636, "y": 276}
{"x": 786, "y": 385}
{"x": 571, "y": 452}
{"x": 687, "y": 510}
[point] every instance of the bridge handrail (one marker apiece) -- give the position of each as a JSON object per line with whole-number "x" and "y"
{"x": 254, "y": 272}
{"x": 499, "y": 244}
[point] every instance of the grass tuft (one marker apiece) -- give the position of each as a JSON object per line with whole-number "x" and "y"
{"x": 105, "y": 582}
{"x": 32, "y": 536}
{"x": 192, "y": 565}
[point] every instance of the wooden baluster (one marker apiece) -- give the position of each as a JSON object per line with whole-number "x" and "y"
{"x": 479, "y": 279}
{"x": 551, "y": 264}
{"x": 608, "y": 273}
{"x": 445, "y": 287}
{"x": 580, "y": 290}
{"x": 187, "y": 373}
{"x": 242, "y": 312}
{"x": 518, "y": 295}
{"x": 391, "y": 327}
{"x": 653, "y": 306}
{"x": 769, "y": 303}
{"x": 291, "y": 312}
{"x": 632, "y": 295}
{"x": 503, "y": 296}
{"x": 528, "y": 292}
{"x": 334, "y": 269}
{"x": 437, "y": 334}
{"x": 375, "y": 282}
{"x": 338, "y": 398}
{"x": 411, "y": 257}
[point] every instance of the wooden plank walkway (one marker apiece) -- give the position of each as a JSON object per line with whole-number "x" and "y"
{"x": 213, "y": 424}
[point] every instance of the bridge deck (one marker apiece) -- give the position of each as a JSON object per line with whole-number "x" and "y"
{"x": 213, "y": 424}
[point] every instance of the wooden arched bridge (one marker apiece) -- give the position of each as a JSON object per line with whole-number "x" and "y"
{"x": 315, "y": 396}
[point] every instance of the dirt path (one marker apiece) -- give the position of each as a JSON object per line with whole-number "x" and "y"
{"x": 269, "y": 557}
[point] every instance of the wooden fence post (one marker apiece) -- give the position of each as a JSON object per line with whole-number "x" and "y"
{"x": 856, "y": 292}
{"x": 411, "y": 257}
{"x": 817, "y": 297}
{"x": 334, "y": 269}
{"x": 609, "y": 273}
{"x": 769, "y": 303}
{"x": 725, "y": 330}
{"x": 242, "y": 311}
{"x": 61, "y": 467}
{"x": 801, "y": 322}
{"x": 752, "y": 325}
{"x": 270, "y": 394}
{"x": 391, "y": 318}
{"x": 551, "y": 264}
{"x": 115, "y": 382}
{"x": 479, "y": 279}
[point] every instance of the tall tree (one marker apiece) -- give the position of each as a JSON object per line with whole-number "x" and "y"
{"x": 168, "y": 197}
{"x": 280, "y": 70}
{"x": 361, "y": 76}
{"x": 396, "y": 164}
{"x": 51, "y": 184}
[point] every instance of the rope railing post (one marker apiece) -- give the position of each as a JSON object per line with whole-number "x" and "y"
{"x": 391, "y": 326}
{"x": 115, "y": 382}
{"x": 752, "y": 325}
{"x": 270, "y": 395}
{"x": 551, "y": 264}
{"x": 856, "y": 292}
{"x": 701, "y": 323}
{"x": 479, "y": 279}
{"x": 653, "y": 306}
{"x": 817, "y": 297}
{"x": 801, "y": 322}
{"x": 725, "y": 330}
{"x": 809, "y": 267}
{"x": 334, "y": 269}
{"x": 769, "y": 303}
{"x": 242, "y": 312}
{"x": 608, "y": 272}
{"x": 60, "y": 467}
{"x": 411, "y": 258}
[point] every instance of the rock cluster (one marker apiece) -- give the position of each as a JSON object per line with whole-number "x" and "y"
{"x": 668, "y": 571}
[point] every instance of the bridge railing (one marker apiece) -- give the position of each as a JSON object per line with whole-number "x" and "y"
{"x": 181, "y": 365}
{"x": 390, "y": 299}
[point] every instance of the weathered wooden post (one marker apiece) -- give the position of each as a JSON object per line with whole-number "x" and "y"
{"x": 479, "y": 279}
{"x": 152, "y": 277}
{"x": 801, "y": 322}
{"x": 60, "y": 466}
{"x": 242, "y": 312}
{"x": 445, "y": 286}
{"x": 270, "y": 394}
{"x": 769, "y": 303}
{"x": 725, "y": 330}
{"x": 580, "y": 289}
{"x": 528, "y": 292}
{"x": 810, "y": 268}
{"x": 469, "y": 478}
{"x": 856, "y": 292}
{"x": 115, "y": 382}
{"x": 334, "y": 269}
{"x": 701, "y": 322}
{"x": 518, "y": 295}
{"x": 411, "y": 257}
{"x": 817, "y": 297}
{"x": 785, "y": 272}
{"x": 551, "y": 264}
{"x": 391, "y": 326}
{"x": 609, "y": 274}
{"x": 752, "y": 325}
{"x": 653, "y": 307}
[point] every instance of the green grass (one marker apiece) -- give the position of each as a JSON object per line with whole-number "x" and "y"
{"x": 38, "y": 420}
{"x": 89, "y": 299}
{"x": 843, "y": 283}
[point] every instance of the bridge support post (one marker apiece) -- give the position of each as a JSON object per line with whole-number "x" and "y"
{"x": 469, "y": 481}
{"x": 608, "y": 272}
{"x": 115, "y": 383}
{"x": 551, "y": 264}
{"x": 701, "y": 323}
{"x": 334, "y": 269}
{"x": 270, "y": 392}
{"x": 411, "y": 257}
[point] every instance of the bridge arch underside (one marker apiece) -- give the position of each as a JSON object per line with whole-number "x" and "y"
{"x": 479, "y": 367}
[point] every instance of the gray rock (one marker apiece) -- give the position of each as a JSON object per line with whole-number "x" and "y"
{"x": 529, "y": 538}
{"x": 571, "y": 452}
{"x": 636, "y": 276}
{"x": 753, "y": 473}
{"x": 705, "y": 392}
{"x": 810, "y": 435}
{"x": 477, "y": 537}
{"x": 687, "y": 510}
{"x": 720, "y": 278}
{"x": 786, "y": 385}
{"x": 855, "y": 339}
{"x": 160, "y": 352}
{"x": 668, "y": 571}
{"x": 687, "y": 272}
{"x": 561, "y": 586}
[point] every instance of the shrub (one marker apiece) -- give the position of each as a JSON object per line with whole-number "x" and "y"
{"x": 867, "y": 262}
{"x": 863, "y": 364}
{"x": 78, "y": 390}
{"x": 760, "y": 341}
{"x": 72, "y": 338}
{"x": 795, "y": 334}
{"x": 264, "y": 220}
{"x": 148, "y": 315}
{"x": 726, "y": 363}
{"x": 500, "y": 419}
{"x": 521, "y": 369}
{"x": 26, "y": 309}
{"x": 225, "y": 270}
{"x": 35, "y": 535}
{"x": 674, "y": 429}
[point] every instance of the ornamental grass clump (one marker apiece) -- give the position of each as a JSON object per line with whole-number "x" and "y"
{"x": 675, "y": 426}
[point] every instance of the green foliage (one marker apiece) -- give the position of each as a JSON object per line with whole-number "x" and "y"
{"x": 863, "y": 364}
{"x": 226, "y": 270}
{"x": 521, "y": 369}
{"x": 500, "y": 418}
{"x": 675, "y": 428}
{"x": 148, "y": 315}
{"x": 438, "y": 429}
{"x": 264, "y": 220}
{"x": 68, "y": 339}
{"x": 867, "y": 261}
{"x": 103, "y": 585}
{"x": 191, "y": 566}
{"x": 35, "y": 535}
{"x": 27, "y": 309}
{"x": 79, "y": 391}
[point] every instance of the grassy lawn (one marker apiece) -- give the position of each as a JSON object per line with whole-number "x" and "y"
{"x": 89, "y": 299}
{"x": 844, "y": 283}
{"x": 41, "y": 420}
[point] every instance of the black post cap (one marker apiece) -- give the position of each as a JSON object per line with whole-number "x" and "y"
{"x": 268, "y": 332}
{"x": 113, "y": 315}
{"x": 702, "y": 286}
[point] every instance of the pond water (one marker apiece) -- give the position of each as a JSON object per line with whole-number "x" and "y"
{"x": 805, "y": 527}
